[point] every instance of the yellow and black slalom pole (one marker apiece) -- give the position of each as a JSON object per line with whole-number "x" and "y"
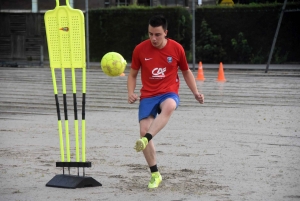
{"x": 61, "y": 141}
{"x": 63, "y": 76}
{"x": 75, "y": 114}
{"x": 83, "y": 112}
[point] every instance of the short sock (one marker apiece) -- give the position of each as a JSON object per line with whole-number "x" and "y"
{"x": 148, "y": 136}
{"x": 153, "y": 168}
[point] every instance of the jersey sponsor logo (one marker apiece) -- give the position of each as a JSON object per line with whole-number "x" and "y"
{"x": 169, "y": 59}
{"x": 147, "y": 59}
{"x": 158, "y": 72}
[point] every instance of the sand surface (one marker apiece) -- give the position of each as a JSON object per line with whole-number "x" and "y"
{"x": 242, "y": 144}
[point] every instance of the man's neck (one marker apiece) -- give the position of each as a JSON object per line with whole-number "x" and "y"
{"x": 164, "y": 43}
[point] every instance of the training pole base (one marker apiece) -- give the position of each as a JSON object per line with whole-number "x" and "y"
{"x": 72, "y": 181}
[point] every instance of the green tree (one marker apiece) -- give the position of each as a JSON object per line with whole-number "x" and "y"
{"x": 241, "y": 49}
{"x": 208, "y": 46}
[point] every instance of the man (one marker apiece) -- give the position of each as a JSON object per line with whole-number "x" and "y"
{"x": 159, "y": 59}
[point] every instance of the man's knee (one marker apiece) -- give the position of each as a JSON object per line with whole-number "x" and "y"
{"x": 145, "y": 124}
{"x": 143, "y": 131}
{"x": 168, "y": 106}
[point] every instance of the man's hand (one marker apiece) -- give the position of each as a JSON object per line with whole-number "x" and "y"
{"x": 199, "y": 98}
{"x": 132, "y": 98}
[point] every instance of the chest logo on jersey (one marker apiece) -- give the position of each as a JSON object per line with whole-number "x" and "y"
{"x": 158, "y": 72}
{"x": 169, "y": 59}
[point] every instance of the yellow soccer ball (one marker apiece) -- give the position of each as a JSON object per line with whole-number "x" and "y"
{"x": 113, "y": 64}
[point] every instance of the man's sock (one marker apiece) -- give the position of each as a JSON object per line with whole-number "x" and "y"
{"x": 148, "y": 136}
{"x": 153, "y": 168}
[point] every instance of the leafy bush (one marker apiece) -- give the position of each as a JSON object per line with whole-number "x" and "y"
{"x": 120, "y": 29}
{"x": 208, "y": 46}
{"x": 241, "y": 49}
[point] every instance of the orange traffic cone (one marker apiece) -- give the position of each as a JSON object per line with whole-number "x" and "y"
{"x": 122, "y": 74}
{"x": 200, "y": 75}
{"x": 221, "y": 76}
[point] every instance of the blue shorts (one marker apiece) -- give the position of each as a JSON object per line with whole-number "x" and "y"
{"x": 151, "y": 106}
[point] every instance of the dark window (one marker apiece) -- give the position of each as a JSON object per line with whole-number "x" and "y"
{"x": 122, "y": 2}
{"x": 144, "y": 2}
{"x": 106, "y": 3}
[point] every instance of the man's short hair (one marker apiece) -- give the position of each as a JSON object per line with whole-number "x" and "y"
{"x": 158, "y": 20}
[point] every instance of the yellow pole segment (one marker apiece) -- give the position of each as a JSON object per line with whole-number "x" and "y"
{"x": 54, "y": 81}
{"x": 83, "y": 80}
{"x": 77, "y": 141}
{"x": 83, "y": 140}
{"x": 61, "y": 140}
{"x": 65, "y": 112}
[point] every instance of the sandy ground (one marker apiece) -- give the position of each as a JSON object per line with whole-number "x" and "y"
{"x": 242, "y": 144}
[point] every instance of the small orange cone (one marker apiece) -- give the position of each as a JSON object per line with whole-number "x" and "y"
{"x": 221, "y": 76}
{"x": 200, "y": 75}
{"x": 122, "y": 74}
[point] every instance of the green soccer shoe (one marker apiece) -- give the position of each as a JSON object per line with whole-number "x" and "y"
{"x": 155, "y": 180}
{"x": 141, "y": 144}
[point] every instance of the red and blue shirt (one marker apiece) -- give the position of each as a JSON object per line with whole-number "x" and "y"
{"x": 159, "y": 67}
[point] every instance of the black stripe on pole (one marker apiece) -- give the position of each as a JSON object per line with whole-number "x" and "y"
{"x": 65, "y": 106}
{"x": 75, "y": 106}
{"x": 57, "y": 107}
{"x": 83, "y": 106}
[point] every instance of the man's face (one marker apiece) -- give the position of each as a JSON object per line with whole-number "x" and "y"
{"x": 157, "y": 36}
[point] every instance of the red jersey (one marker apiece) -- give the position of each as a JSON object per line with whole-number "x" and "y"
{"x": 159, "y": 67}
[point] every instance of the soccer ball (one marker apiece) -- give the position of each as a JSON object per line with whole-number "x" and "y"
{"x": 113, "y": 64}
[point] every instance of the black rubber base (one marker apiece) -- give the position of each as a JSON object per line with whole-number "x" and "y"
{"x": 72, "y": 181}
